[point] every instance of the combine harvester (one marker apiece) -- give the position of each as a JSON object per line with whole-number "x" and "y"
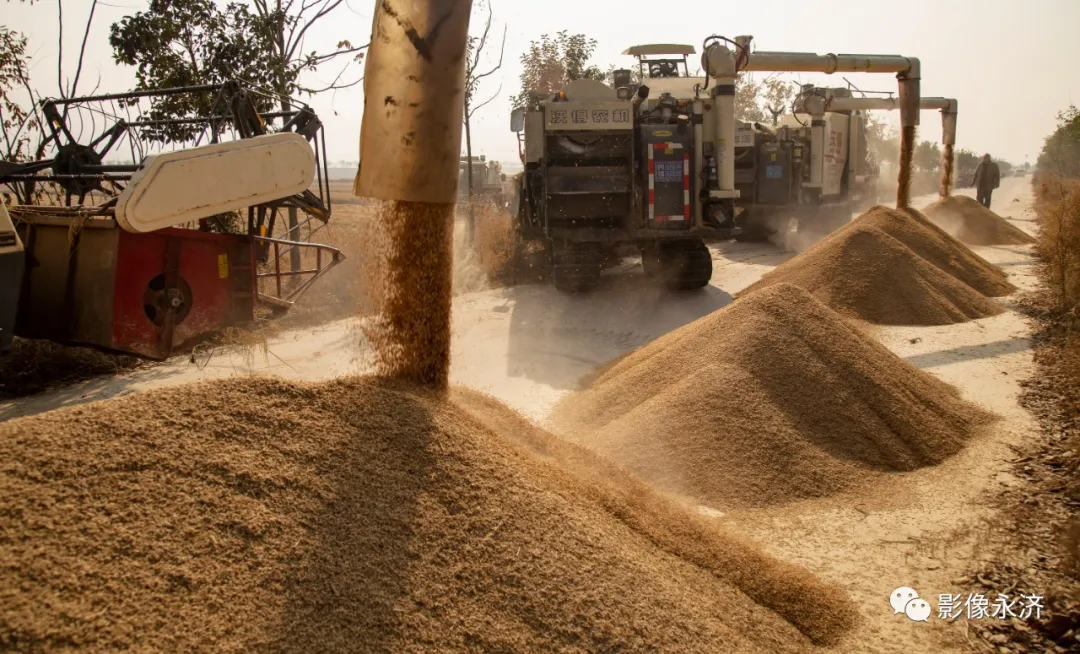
{"x": 774, "y": 167}
{"x": 652, "y": 165}
{"x": 488, "y": 179}
{"x": 149, "y": 256}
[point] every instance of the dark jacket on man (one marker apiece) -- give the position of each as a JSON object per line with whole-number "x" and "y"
{"x": 987, "y": 176}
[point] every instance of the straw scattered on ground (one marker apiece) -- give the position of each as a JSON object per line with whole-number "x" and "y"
{"x": 484, "y": 263}
{"x": 972, "y": 223}
{"x": 33, "y": 366}
{"x": 260, "y": 515}
{"x": 770, "y": 400}
{"x": 865, "y": 273}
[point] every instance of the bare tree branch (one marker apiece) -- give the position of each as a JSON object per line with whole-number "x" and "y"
{"x": 502, "y": 51}
{"x": 97, "y": 85}
{"x": 294, "y": 40}
{"x": 60, "y": 47}
{"x": 473, "y": 110}
{"x": 479, "y": 49}
{"x": 82, "y": 49}
{"x": 334, "y": 86}
{"x": 304, "y": 7}
{"x": 319, "y": 59}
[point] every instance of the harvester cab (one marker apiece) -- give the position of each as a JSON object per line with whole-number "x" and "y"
{"x": 661, "y": 61}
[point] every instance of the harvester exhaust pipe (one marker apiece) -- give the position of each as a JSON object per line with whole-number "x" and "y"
{"x": 410, "y": 144}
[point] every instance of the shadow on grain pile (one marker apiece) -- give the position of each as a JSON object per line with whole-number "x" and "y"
{"x": 893, "y": 267}
{"x": 262, "y": 515}
{"x": 970, "y": 222}
{"x": 773, "y": 399}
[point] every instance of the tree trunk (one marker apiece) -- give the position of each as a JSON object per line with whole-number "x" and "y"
{"x": 469, "y": 176}
{"x": 283, "y": 82}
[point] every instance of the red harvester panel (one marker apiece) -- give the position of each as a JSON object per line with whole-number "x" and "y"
{"x": 141, "y": 293}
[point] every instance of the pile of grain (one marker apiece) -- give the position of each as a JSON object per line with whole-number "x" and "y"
{"x": 894, "y": 268}
{"x": 258, "y": 515}
{"x": 770, "y": 400}
{"x": 970, "y": 222}
{"x": 933, "y": 244}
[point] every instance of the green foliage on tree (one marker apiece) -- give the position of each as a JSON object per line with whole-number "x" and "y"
{"x": 761, "y": 101}
{"x": 17, "y": 121}
{"x": 175, "y": 44}
{"x": 966, "y": 159}
{"x": 882, "y": 139}
{"x": 927, "y": 157}
{"x": 551, "y": 63}
{"x": 196, "y": 42}
{"x": 1060, "y": 153}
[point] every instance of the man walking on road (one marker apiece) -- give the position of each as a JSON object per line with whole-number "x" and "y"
{"x": 987, "y": 178}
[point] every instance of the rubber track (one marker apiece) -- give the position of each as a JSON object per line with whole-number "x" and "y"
{"x": 688, "y": 264}
{"x": 577, "y": 267}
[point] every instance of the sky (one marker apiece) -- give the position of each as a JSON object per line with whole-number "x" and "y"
{"x": 1011, "y": 65}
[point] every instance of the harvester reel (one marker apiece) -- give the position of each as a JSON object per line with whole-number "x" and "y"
{"x": 72, "y": 159}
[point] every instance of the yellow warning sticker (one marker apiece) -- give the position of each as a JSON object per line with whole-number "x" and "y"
{"x": 223, "y": 266}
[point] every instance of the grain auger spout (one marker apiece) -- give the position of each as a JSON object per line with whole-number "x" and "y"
{"x": 948, "y": 107}
{"x": 410, "y": 141}
{"x": 723, "y": 64}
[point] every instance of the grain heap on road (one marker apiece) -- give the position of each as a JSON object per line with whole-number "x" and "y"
{"x": 971, "y": 222}
{"x": 930, "y": 242}
{"x": 261, "y": 515}
{"x": 886, "y": 268}
{"x": 772, "y": 399}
